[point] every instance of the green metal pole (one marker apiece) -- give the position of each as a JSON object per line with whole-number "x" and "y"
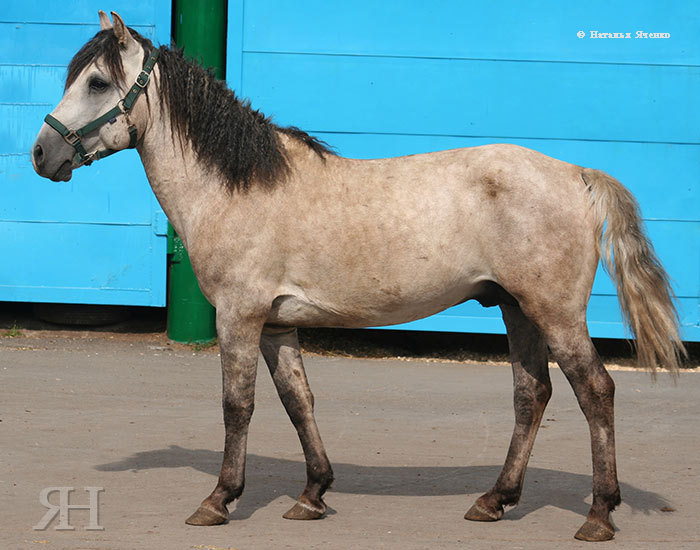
{"x": 200, "y": 30}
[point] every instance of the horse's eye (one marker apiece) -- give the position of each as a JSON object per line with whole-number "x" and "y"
{"x": 97, "y": 85}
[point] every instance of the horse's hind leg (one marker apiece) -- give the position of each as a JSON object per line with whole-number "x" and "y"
{"x": 280, "y": 348}
{"x": 531, "y": 392}
{"x": 571, "y": 346}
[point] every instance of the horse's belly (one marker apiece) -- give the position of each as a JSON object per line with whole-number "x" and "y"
{"x": 372, "y": 310}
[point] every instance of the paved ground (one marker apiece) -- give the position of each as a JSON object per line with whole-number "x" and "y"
{"x": 413, "y": 444}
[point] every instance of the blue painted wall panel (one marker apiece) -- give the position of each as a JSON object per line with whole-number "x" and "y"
{"x": 476, "y": 98}
{"x": 99, "y": 238}
{"x": 543, "y": 30}
{"x": 94, "y": 196}
{"x": 84, "y": 12}
{"x": 31, "y": 83}
{"x": 26, "y": 43}
{"x": 397, "y": 77}
{"x": 120, "y": 270}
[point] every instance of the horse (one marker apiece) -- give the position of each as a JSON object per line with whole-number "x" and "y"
{"x": 284, "y": 233}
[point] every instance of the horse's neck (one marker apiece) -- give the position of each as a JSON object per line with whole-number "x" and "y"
{"x": 183, "y": 186}
{"x": 195, "y": 200}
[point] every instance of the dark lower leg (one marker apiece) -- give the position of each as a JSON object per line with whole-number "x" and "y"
{"x": 232, "y": 475}
{"x": 531, "y": 391}
{"x": 239, "y": 353}
{"x": 595, "y": 391}
{"x": 283, "y": 357}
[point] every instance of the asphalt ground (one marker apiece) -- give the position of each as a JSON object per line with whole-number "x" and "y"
{"x": 413, "y": 444}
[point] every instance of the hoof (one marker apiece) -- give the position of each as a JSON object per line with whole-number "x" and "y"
{"x": 303, "y": 510}
{"x": 207, "y": 516}
{"x": 481, "y": 513}
{"x": 595, "y": 531}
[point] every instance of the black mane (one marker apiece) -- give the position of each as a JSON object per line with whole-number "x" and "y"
{"x": 225, "y": 132}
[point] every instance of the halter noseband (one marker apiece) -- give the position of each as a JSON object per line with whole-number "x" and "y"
{"x": 74, "y": 137}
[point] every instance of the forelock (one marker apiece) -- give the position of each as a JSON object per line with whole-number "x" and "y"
{"x": 105, "y": 47}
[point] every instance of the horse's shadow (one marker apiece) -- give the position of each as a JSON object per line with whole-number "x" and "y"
{"x": 543, "y": 487}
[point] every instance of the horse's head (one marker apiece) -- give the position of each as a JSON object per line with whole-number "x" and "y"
{"x": 99, "y": 113}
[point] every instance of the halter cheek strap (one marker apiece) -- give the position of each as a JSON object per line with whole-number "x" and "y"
{"x": 74, "y": 137}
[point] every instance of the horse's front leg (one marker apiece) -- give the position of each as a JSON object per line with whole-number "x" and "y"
{"x": 280, "y": 348}
{"x": 239, "y": 339}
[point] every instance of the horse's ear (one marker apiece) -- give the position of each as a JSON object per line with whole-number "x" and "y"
{"x": 122, "y": 33}
{"x": 105, "y": 23}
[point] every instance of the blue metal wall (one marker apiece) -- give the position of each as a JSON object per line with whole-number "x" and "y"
{"x": 374, "y": 79}
{"x": 404, "y": 76}
{"x": 99, "y": 238}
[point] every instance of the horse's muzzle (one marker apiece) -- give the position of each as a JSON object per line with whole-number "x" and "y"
{"x": 52, "y": 158}
{"x": 64, "y": 172}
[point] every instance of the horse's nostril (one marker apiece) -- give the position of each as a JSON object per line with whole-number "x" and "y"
{"x": 38, "y": 154}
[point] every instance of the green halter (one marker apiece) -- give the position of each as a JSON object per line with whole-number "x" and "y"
{"x": 74, "y": 137}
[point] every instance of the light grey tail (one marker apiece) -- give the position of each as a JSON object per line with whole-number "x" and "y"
{"x": 645, "y": 295}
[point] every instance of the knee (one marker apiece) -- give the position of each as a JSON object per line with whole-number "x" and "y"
{"x": 603, "y": 386}
{"x": 236, "y": 409}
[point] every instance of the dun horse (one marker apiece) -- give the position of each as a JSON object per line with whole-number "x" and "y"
{"x": 282, "y": 233}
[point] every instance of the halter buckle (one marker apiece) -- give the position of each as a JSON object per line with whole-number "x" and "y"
{"x": 72, "y": 138}
{"x": 142, "y": 79}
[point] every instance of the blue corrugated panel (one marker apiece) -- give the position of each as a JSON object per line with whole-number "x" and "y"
{"x": 99, "y": 238}
{"x": 397, "y": 77}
